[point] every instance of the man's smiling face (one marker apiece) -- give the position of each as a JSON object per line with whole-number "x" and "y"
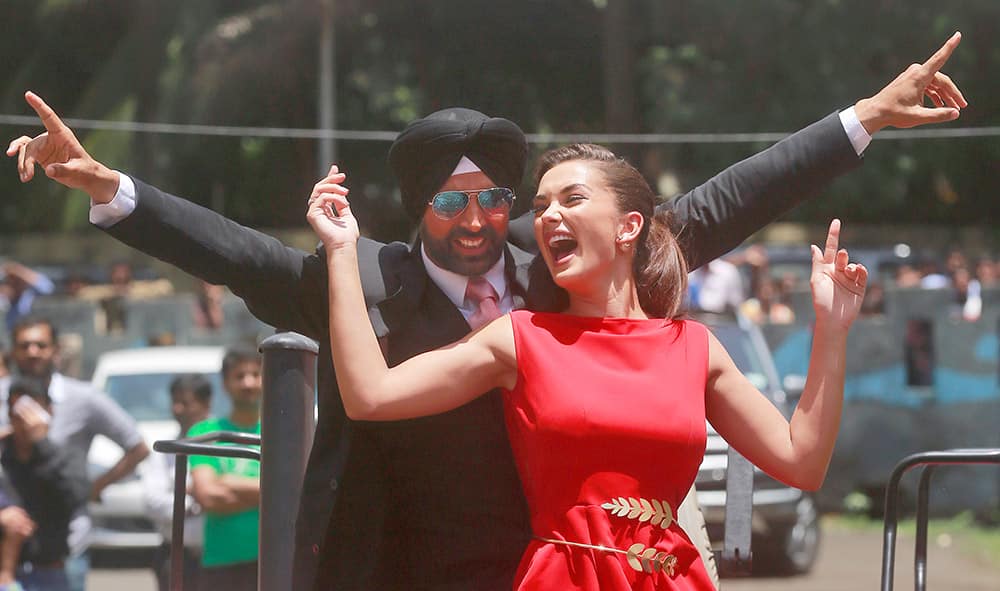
{"x": 471, "y": 242}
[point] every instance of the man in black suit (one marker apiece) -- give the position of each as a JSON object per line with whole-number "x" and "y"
{"x": 435, "y": 503}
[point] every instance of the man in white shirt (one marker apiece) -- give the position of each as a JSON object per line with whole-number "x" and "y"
{"x": 716, "y": 287}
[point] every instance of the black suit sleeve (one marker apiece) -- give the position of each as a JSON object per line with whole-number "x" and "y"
{"x": 282, "y": 286}
{"x": 717, "y": 216}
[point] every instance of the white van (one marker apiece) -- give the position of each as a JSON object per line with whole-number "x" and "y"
{"x": 139, "y": 380}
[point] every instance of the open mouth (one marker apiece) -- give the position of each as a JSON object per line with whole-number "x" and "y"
{"x": 562, "y": 247}
{"x": 471, "y": 244}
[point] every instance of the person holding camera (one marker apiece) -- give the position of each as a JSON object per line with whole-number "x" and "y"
{"x": 50, "y": 486}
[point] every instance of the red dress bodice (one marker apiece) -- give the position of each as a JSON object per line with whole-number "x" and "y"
{"x": 607, "y": 426}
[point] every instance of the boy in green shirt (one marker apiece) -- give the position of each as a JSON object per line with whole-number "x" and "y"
{"x": 228, "y": 489}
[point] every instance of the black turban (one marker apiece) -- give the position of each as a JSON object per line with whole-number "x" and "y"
{"x": 426, "y": 153}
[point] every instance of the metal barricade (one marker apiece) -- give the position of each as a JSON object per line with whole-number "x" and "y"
{"x": 287, "y": 425}
{"x": 202, "y": 445}
{"x": 929, "y": 461}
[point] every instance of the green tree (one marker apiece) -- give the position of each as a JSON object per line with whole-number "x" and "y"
{"x": 579, "y": 66}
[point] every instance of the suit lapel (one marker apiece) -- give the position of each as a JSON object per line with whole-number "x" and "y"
{"x": 416, "y": 296}
{"x": 518, "y": 264}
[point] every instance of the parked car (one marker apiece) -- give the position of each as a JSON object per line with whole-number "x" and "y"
{"x": 139, "y": 380}
{"x": 785, "y": 523}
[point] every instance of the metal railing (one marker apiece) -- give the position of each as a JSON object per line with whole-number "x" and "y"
{"x": 202, "y": 445}
{"x": 287, "y": 408}
{"x": 929, "y": 461}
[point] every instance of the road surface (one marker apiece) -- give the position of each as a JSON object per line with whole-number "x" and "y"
{"x": 849, "y": 560}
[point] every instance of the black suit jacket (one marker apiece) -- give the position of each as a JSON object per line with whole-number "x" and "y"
{"x": 435, "y": 502}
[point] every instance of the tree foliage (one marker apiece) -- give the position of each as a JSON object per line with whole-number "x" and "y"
{"x": 580, "y": 66}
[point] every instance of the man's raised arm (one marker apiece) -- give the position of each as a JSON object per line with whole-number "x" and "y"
{"x": 717, "y": 216}
{"x": 61, "y": 156}
{"x": 277, "y": 283}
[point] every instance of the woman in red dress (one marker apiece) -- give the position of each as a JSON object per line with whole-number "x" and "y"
{"x": 606, "y": 401}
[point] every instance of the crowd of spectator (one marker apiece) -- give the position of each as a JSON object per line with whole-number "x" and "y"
{"x": 48, "y": 423}
{"x": 963, "y": 279}
{"x": 49, "y": 418}
{"x": 53, "y": 420}
{"x": 748, "y": 282}
{"x": 124, "y": 306}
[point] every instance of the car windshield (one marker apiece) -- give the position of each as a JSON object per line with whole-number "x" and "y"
{"x": 146, "y": 397}
{"x": 740, "y": 347}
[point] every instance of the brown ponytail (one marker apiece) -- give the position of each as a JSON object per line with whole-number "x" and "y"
{"x": 659, "y": 267}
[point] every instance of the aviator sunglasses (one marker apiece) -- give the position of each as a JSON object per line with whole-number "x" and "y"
{"x": 450, "y": 204}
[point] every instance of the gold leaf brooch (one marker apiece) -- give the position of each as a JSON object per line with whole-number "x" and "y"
{"x": 655, "y": 512}
{"x": 650, "y": 560}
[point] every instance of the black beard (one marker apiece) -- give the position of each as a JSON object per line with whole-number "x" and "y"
{"x": 442, "y": 252}
{"x": 44, "y": 376}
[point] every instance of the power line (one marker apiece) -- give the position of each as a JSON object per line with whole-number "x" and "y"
{"x": 536, "y": 138}
{"x": 216, "y": 130}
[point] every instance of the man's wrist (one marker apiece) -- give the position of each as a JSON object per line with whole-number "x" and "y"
{"x": 105, "y": 185}
{"x": 870, "y": 115}
{"x": 856, "y": 132}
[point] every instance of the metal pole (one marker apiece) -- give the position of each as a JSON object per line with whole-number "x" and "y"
{"x": 920, "y": 551}
{"x": 327, "y": 152}
{"x": 177, "y": 526}
{"x": 891, "y": 519}
{"x": 287, "y": 423}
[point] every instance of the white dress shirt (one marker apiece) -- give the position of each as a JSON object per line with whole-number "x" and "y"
{"x": 454, "y": 285}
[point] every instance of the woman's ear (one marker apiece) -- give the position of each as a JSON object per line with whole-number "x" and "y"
{"x": 629, "y": 230}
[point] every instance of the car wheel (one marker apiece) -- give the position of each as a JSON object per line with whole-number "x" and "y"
{"x": 790, "y": 549}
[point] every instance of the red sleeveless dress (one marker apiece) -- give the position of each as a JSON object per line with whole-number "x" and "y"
{"x": 607, "y": 425}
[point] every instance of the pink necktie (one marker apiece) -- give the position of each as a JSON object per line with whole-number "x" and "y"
{"x": 484, "y": 299}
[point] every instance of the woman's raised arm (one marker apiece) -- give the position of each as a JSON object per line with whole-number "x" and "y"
{"x": 796, "y": 452}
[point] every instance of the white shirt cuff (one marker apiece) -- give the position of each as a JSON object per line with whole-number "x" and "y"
{"x": 108, "y": 214}
{"x": 859, "y": 136}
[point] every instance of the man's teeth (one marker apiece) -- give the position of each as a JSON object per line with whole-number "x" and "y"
{"x": 471, "y": 242}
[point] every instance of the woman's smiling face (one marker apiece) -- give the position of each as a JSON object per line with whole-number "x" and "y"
{"x": 577, "y": 222}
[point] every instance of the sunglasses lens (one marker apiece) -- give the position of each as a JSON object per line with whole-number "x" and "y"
{"x": 495, "y": 200}
{"x": 450, "y": 203}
